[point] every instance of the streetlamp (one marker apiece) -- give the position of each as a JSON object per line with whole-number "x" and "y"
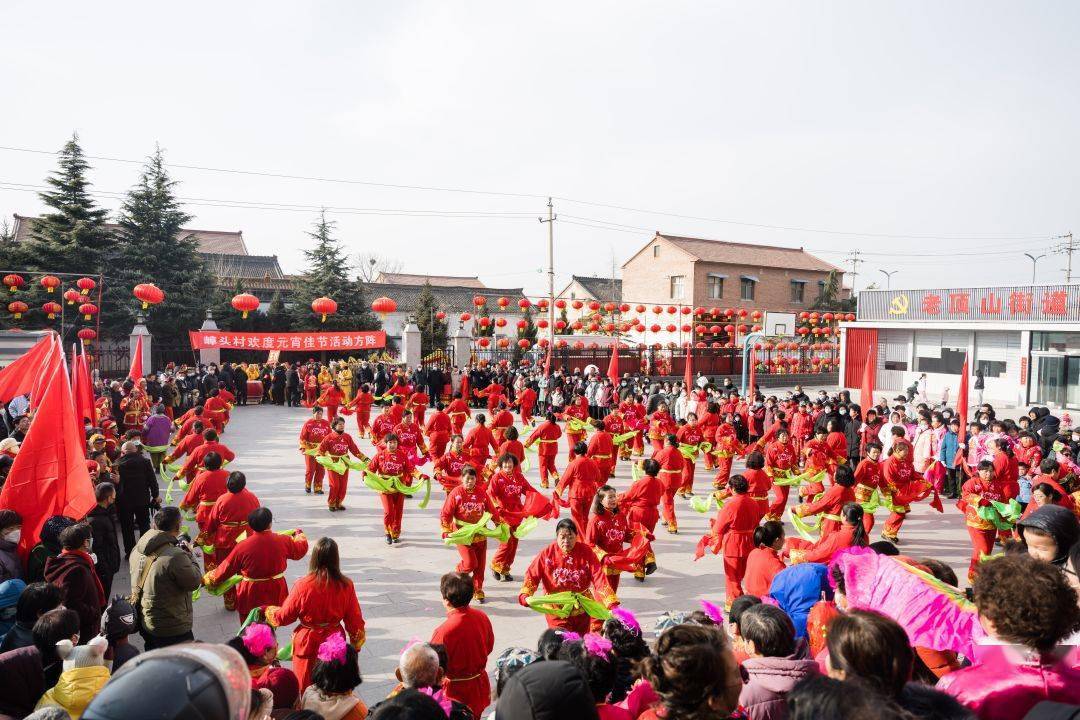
{"x": 1034, "y": 263}
{"x": 888, "y": 277}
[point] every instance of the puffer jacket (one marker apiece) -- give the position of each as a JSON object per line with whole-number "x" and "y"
{"x": 75, "y": 689}
{"x": 768, "y": 681}
{"x": 165, "y": 607}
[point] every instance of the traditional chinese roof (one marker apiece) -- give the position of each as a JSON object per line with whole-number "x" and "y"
{"x": 449, "y": 299}
{"x": 448, "y": 281}
{"x": 228, "y": 265}
{"x": 599, "y": 287}
{"x": 210, "y": 241}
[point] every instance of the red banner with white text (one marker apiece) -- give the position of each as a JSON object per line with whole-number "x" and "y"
{"x": 287, "y": 342}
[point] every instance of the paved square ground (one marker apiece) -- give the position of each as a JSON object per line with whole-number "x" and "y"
{"x": 398, "y": 586}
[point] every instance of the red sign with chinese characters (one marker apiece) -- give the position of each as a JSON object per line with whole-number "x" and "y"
{"x": 287, "y": 342}
{"x": 1020, "y": 304}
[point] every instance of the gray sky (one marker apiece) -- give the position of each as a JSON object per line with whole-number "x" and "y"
{"x": 948, "y": 120}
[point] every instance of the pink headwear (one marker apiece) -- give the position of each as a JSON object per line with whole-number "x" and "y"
{"x": 569, "y": 636}
{"x": 597, "y": 645}
{"x": 627, "y": 618}
{"x": 333, "y": 648}
{"x": 258, "y": 638}
{"x": 715, "y": 614}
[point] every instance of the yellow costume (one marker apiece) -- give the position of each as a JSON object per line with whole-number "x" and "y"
{"x": 344, "y": 382}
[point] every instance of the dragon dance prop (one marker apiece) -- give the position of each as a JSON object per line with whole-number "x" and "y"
{"x": 467, "y": 533}
{"x": 567, "y": 603}
{"x": 934, "y": 614}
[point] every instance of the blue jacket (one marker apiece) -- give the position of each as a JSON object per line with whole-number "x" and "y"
{"x": 949, "y": 445}
{"x": 797, "y": 588}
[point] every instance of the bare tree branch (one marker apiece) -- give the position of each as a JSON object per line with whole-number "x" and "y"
{"x": 370, "y": 265}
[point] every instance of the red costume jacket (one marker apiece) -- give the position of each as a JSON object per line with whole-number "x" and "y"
{"x": 203, "y": 493}
{"x": 458, "y": 410}
{"x": 448, "y": 469}
{"x": 760, "y": 484}
{"x": 779, "y": 456}
{"x": 322, "y": 607}
{"x": 867, "y": 479}
{"x": 480, "y": 443}
{"x": 195, "y": 459}
{"x": 467, "y": 507}
{"x": 261, "y": 559}
{"x": 547, "y": 438}
{"x": 734, "y": 525}
{"x": 228, "y": 518}
{"x": 510, "y": 494}
{"x": 382, "y": 426}
{"x": 608, "y": 532}
{"x": 661, "y": 425}
{"x": 185, "y": 447}
{"x": 393, "y": 464}
{"x": 641, "y": 501}
{"x": 583, "y": 478}
{"x": 576, "y": 571}
{"x": 762, "y": 565}
{"x": 823, "y": 549}
{"x": 338, "y": 445}
{"x": 672, "y": 463}
{"x": 469, "y": 640}
{"x": 313, "y": 432}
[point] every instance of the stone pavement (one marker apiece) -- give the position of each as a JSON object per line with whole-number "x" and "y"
{"x": 398, "y": 586}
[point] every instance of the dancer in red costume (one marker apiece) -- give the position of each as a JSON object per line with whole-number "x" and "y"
{"x": 195, "y": 459}
{"x": 437, "y": 428}
{"x": 361, "y": 405}
{"x": 465, "y": 505}
{"x": 851, "y": 534}
{"x": 228, "y": 518}
{"x": 323, "y": 601}
{"x": 459, "y": 413}
{"x": 608, "y": 530}
{"x": 726, "y": 447}
{"x": 978, "y": 492}
{"x": 393, "y": 462}
{"x": 411, "y": 438}
{"x": 633, "y": 413}
{"x": 690, "y": 435}
{"x": 672, "y": 464}
{"x": 780, "y": 460}
{"x": 601, "y": 449}
{"x": 568, "y": 565}
{"x": 480, "y": 443}
{"x": 418, "y": 404}
{"x": 469, "y": 640}
{"x": 526, "y": 402}
{"x": 512, "y": 494}
{"x": 829, "y": 503}
{"x": 187, "y": 445}
{"x": 501, "y": 421}
{"x": 759, "y": 481}
{"x": 449, "y": 467}
{"x": 338, "y": 445}
{"x": 260, "y": 559}
{"x": 709, "y": 421}
{"x": 494, "y": 395}
{"x": 331, "y": 398}
{"x": 313, "y": 432}
{"x": 640, "y": 502}
{"x": 661, "y": 424}
{"x": 582, "y": 477}
{"x": 576, "y": 414}
{"x": 205, "y": 489}
{"x": 511, "y": 445}
{"x": 764, "y": 562}
{"x": 732, "y": 532}
{"x": 903, "y": 485}
{"x": 547, "y": 438}
{"x": 868, "y": 479}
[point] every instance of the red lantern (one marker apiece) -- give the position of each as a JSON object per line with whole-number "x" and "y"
{"x": 757, "y": 346}
{"x": 654, "y": 328}
{"x": 639, "y": 308}
{"x": 714, "y": 311}
{"x": 593, "y": 327}
{"x": 524, "y": 344}
{"x": 479, "y": 301}
{"x": 521, "y": 324}
{"x": 542, "y": 303}
{"x": 577, "y": 304}
{"x": 743, "y": 312}
{"x": 576, "y": 325}
{"x": 729, "y": 329}
{"x": 542, "y": 324}
{"x": 500, "y": 322}
{"x": 71, "y": 296}
{"x": 560, "y": 344}
{"x": 671, "y": 328}
{"x": 714, "y": 329}
{"x": 323, "y": 306}
{"x": 87, "y": 334}
{"x": 594, "y": 306}
{"x": 466, "y": 317}
{"x": 14, "y": 282}
{"x": 743, "y": 328}
{"x": 149, "y": 294}
{"x": 384, "y": 306}
{"x": 816, "y": 331}
{"x": 503, "y": 343}
{"x": 579, "y": 345}
{"x": 851, "y": 317}
{"x": 524, "y": 304}
{"x": 50, "y": 283}
{"x": 483, "y": 342}
{"x": 756, "y": 315}
{"x": 504, "y": 302}
{"x": 560, "y": 304}
{"x": 700, "y": 329}
{"x": 87, "y": 309}
{"x": 624, "y": 308}
{"x": 51, "y": 309}
{"x": 804, "y": 315}
{"x": 827, "y": 317}
{"x": 85, "y": 285}
{"x": 609, "y": 327}
{"x": 730, "y": 312}
{"x": 756, "y": 328}
{"x": 18, "y": 307}
{"x": 656, "y": 310}
{"x": 717, "y": 345}
{"x": 440, "y": 316}
{"x": 814, "y": 317}
{"x": 245, "y": 303}
{"x": 686, "y": 328}
{"x": 700, "y": 345}
{"x": 671, "y": 309}
{"x": 698, "y": 312}
{"x": 685, "y": 310}
{"x": 484, "y": 322}
{"x": 560, "y": 324}
{"x": 593, "y": 346}
{"x": 804, "y": 331}
{"x": 542, "y": 342}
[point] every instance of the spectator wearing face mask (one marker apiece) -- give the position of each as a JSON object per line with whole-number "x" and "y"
{"x": 73, "y": 571}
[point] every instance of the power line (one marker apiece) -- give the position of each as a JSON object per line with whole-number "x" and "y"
{"x": 473, "y": 191}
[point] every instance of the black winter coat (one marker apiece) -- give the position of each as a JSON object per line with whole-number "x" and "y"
{"x": 138, "y": 482}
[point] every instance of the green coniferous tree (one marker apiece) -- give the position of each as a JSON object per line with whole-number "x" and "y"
{"x": 328, "y": 275}
{"x": 433, "y": 331}
{"x": 278, "y": 318}
{"x": 151, "y": 249}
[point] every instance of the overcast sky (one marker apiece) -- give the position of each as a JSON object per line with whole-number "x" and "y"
{"x": 942, "y": 120}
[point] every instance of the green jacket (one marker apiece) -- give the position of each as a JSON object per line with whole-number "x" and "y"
{"x": 165, "y": 606}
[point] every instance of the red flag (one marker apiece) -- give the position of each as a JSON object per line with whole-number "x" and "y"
{"x": 688, "y": 376}
{"x": 866, "y": 394}
{"x": 547, "y": 359}
{"x": 613, "y": 365}
{"x": 82, "y": 390}
{"x": 23, "y": 375}
{"x": 962, "y": 399}
{"x": 49, "y": 475}
{"x": 136, "y": 370}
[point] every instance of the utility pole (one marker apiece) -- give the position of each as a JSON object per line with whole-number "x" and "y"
{"x": 888, "y": 277}
{"x": 551, "y": 270}
{"x": 1068, "y": 254}
{"x": 855, "y": 262}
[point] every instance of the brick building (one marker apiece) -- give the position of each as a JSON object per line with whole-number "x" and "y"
{"x": 673, "y": 270}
